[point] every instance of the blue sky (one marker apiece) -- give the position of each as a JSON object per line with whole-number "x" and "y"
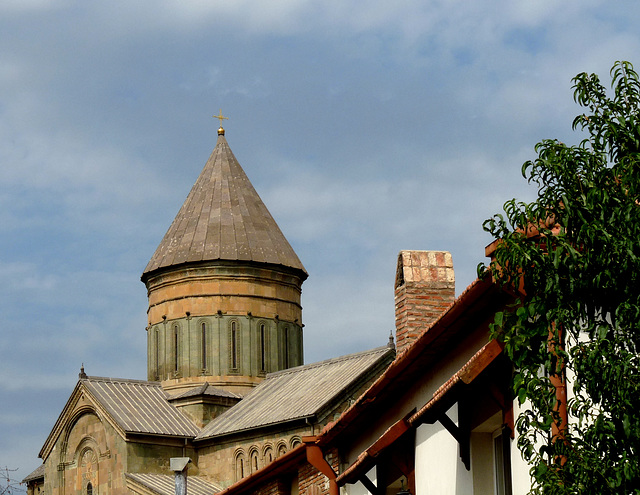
{"x": 366, "y": 127}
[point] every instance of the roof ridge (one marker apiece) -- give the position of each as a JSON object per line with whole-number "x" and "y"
{"x": 120, "y": 380}
{"x": 202, "y": 389}
{"x": 325, "y": 362}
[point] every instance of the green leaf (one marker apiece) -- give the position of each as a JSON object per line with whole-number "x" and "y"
{"x": 581, "y": 278}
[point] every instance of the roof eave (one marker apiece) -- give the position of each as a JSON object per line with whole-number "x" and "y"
{"x": 284, "y": 464}
{"x": 300, "y": 272}
{"x": 478, "y": 290}
{"x": 291, "y": 421}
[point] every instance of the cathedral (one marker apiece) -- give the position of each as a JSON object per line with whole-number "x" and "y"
{"x": 226, "y": 384}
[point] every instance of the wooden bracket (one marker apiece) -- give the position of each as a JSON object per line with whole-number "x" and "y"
{"x": 368, "y": 484}
{"x": 462, "y": 436}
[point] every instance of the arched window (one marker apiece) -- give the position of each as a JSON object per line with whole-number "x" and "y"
{"x": 254, "y": 461}
{"x": 156, "y": 352}
{"x": 89, "y": 489}
{"x": 263, "y": 350}
{"x": 176, "y": 349}
{"x": 268, "y": 454}
{"x": 239, "y": 466}
{"x": 234, "y": 345}
{"x": 282, "y": 449}
{"x": 286, "y": 347}
{"x": 203, "y": 336}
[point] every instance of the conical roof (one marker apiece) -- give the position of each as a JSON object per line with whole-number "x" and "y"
{"x": 223, "y": 218}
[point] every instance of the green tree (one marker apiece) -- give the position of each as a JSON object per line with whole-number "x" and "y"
{"x": 572, "y": 259}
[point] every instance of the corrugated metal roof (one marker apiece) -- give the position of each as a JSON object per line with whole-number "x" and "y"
{"x": 223, "y": 218}
{"x": 295, "y": 393}
{"x": 139, "y": 407}
{"x": 206, "y": 389}
{"x": 36, "y": 474}
{"x": 164, "y": 484}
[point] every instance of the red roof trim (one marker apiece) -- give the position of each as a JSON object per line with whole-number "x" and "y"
{"x": 469, "y": 372}
{"x": 404, "y": 360}
{"x": 289, "y": 461}
{"x": 465, "y": 375}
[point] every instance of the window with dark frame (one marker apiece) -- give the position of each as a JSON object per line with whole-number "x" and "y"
{"x": 204, "y": 345}
{"x": 234, "y": 346}
{"x": 286, "y": 347}
{"x": 176, "y": 348}
{"x": 263, "y": 352}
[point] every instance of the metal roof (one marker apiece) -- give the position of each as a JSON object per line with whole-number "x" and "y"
{"x": 164, "y": 484}
{"x": 296, "y": 393}
{"x": 223, "y": 218}
{"x": 206, "y": 389}
{"x": 38, "y": 473}
{"x": 139, "y": 407}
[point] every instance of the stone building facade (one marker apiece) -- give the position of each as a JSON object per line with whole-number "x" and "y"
{"x": 224, "y": 319}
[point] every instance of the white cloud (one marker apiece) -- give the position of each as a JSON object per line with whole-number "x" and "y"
{"x": 22, "y": 276}
{"x": 31, "y": 6}
{"x": 374, "y": 127}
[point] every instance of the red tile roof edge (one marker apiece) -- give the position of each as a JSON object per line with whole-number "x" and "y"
{"x": 404, "y": 359}
{"x": 281, "y": 464}
{"x": 466, "y": 374}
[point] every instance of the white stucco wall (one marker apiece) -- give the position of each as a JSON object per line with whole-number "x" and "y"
{"x": 358, "y": 488}
{"x": 438, "y": 465}
{"x": 520, "y": 479}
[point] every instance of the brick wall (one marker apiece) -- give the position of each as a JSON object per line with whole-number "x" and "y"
{"x": 275, "y": 487}
{"x": 424, "y": 288}
{"x": 313, "y": 482}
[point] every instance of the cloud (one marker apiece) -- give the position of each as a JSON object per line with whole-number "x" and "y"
{"x": 22, "y": 276}
{"x": 367, "y": 127}
{"x": 31, "y": 6}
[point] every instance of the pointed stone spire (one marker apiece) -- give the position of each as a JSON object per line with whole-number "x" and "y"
{"x": 224, "y": 287}
{"x": 223, "y": 218}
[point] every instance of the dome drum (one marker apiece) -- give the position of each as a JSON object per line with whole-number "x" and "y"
{"x": 261, "y": 291}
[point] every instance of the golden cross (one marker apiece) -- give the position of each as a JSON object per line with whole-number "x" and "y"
{"x": 220, "y": 117}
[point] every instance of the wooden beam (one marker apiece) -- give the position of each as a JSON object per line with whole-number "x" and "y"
{"x": 388, "y": 438}
{"x": 480, "y": 361}
{"x": 450, "y": 426}
{"x": 462, "y": 436}
{"x": 316, "y": 458}
{"x": 368, "y": 484}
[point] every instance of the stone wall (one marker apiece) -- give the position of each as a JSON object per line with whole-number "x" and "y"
{"x": 91, "y": 456}
{"x": 227, "y": 462}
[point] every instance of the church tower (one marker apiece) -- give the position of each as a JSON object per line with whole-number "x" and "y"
{"x": 224, "y": 288}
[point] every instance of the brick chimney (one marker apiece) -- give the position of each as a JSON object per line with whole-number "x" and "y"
{"x": 424, "y": 288}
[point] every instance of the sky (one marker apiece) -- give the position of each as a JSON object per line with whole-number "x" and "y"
{"x": 367, "y": 127}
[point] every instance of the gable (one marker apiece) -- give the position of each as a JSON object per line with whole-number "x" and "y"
{"x": 140, "y": 407}
{"x": 128, "y": 406}
{"x": 84, "y": 432}
{"x": 78, "y": 404}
